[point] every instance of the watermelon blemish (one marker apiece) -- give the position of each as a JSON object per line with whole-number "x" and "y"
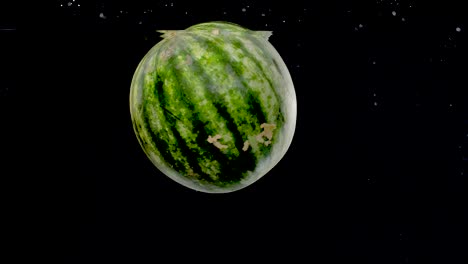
{"x": 267, "y": 132}
{"x": 246, "y": 145}
{"x": 214, "y": 141}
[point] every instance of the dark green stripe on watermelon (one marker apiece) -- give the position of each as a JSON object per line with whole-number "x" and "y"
{"x": 245, "y": 161}
{"x": 159, "y": 143}
{"x": 172, "y": 118}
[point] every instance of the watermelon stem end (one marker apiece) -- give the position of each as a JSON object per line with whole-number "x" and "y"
{"x": 264, "y": 34}
{"x": 168, "y": 33}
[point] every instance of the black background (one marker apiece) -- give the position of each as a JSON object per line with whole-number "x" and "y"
{"x": 377, "y": 171}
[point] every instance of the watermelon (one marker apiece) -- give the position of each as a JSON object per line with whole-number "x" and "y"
{"x": 213, "y": 106}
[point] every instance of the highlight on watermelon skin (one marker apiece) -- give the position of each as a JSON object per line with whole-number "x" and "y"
{"x": 213, "y": 106}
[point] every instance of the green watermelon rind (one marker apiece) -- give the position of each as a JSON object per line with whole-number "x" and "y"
{"x": 185, "y": 70}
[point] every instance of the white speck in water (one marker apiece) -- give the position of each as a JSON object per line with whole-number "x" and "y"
{"x": 243, "y": 9}
{"x": 78, "y": 4}
{"x": 69, "y": 3}
{"x": 165, "y": 4}
{"x": 140, "y": 22}
{"x": 360, "y": 25}
{"x": 450, "y": 105}
{"x": 403, "y": 19}
{"x": 375, "y": 103}
{"x": 393, "y": 13}
{"x": 284, "y": 21}
{"x": 223, "y": 12}
{"x": 375, "y": 94}
{"x": 263, "y": 14}
{"x": 187, "y": 12}
{"x": 458, "y": 29}
{"x": 374, "y": 62}
{"x": 61, "y": 5}
{"x": 172, "y": 4}
{"x": 101, "y": 15}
